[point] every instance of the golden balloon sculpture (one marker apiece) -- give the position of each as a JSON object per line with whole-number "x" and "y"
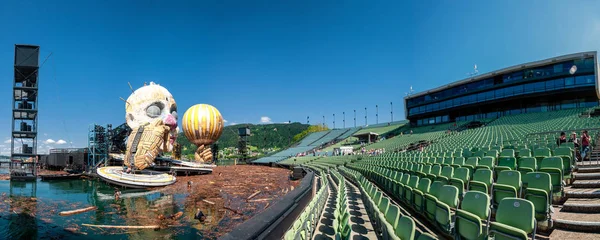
{"x": 202, "y": 125}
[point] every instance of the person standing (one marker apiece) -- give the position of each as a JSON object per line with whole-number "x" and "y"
{"x": 585, "y": 144}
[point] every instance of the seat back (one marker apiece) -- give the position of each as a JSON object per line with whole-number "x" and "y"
{"x": 435, "y": 187}
{"x": 426, "y": 169}
{"x": 424, "y": 184}
{"x": 406, "y": 228}
{"x": 525, "y": 152}
{"x": 436, "y": 170}
{"x": 510, "y": 177}
{"x": 477, "y": 203}
{"x": 480, "y": 153}
{"x": 405, "y": 178}
{"x": 538, "y": 180}
{"x": 483, "y": 175}
{"x": 448, "y": 160}
{"x": 462, "y": 173}
{"x": 562, "y": 152}
{"x": 414, "y": 180}
{"x": 384, "y": 204}
{"x": 517, "y": 213}
{"x": 510, "y": 162}
{"x": 449, "y": 195}
{"x": 473, "y": 161}
{"x": 507, "y": 153}
{"x": 448, "y": 172}
{"x": 542, "y": 152}
{"x": 487, "y": 161}
{"x": 392, "y": 215}
{"x": 552, "y": 162}
{"x": 459, "y": 160}
{"x": 491, "y": 153}
{"x": 528, "y": 162}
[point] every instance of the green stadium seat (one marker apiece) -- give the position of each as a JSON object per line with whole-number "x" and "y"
{"x": 471, "y": 164}
{"x": 474, "y": 209}
{"x": 553, "y": 166}
{"x": 482, "y": 180}
{"x": 419, "y": 193}
{"x": 541, "y": 153}
{"x": 426, "y": 170}
{"x": 527, "y": 164}
{"x": 431, "y": 199}
{"x": 506, "y": 163}
{"x": 448, "y": 161}
{"x": 391, "y": 216}
{"x": 491, "y": 153}
{"x": 412, "y": 184}
{"x": 514, "y": 220}
{"x": 537, "y": 189}
{"x": 508, "y": 185}
{"x": 480, "y": 153}
{"x": 566, "y": 154}
{"x": 447, "y": 199}
{"x": 447, "y": 173}
{"x": 460, "y": 179}
{"x": 436, "y": 170}
{"x": 524, "y": 153}
{"x": 406, "y": 228}
{"x": 458, "y": 162}
{"x": 487, "y": 162}
{"x": 507, "y": 153}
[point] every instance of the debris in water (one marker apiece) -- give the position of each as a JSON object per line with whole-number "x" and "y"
{"x": 200, "y": 216}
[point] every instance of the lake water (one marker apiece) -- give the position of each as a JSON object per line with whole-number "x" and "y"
{"x": 21, "y": 218}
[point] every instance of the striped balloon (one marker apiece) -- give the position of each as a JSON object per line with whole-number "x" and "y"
{"x": 202, "y": 124}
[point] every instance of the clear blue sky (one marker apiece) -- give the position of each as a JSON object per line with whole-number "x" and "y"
{"x": 274, "y": 59}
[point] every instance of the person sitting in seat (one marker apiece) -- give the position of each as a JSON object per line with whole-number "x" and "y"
{"x": 562, "y": 139}
{"x": 575, "y": 142}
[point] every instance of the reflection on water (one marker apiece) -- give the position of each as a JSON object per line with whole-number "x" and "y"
{"x": 29, "y": 210}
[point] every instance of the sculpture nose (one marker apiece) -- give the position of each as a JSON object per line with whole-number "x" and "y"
{"x": 170, "y": 121}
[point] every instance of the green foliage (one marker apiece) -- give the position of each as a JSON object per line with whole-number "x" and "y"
{"x": 309, "y": 130}
{"x": 262, "y": 136}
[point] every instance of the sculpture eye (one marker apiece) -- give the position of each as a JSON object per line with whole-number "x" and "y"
{"x": 154, "y": 110}
{"x": 174, "y": 115}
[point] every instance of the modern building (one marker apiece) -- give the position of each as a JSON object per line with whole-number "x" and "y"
{"x": 569, "y": 81}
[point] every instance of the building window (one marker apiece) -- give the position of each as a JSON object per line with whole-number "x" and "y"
{"x": 569, "y": 81}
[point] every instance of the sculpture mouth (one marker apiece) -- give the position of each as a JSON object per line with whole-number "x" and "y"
{"x": 173, "y": 135}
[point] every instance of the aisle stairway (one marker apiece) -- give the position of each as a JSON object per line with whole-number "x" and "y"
{"x": 581, "y": 210}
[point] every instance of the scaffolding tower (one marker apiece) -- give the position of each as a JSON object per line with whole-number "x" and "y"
{"x": 23, "y": 153}
{"x": 98, "y": 146}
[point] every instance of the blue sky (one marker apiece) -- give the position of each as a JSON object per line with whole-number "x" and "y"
{"x": 271, "y": 60}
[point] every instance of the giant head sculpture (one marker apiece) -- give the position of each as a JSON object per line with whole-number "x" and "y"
{"x": 150, "y": 103}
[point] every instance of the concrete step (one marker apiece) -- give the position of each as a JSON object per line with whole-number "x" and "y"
{"x": 588, "y": 164}
{"x": 589, "y": 169}
{"x": 586, "y": 184}
{"x": 582, "y": 205}
{"x": 565, "y": 234}
{"x": 571, "y": 192}
{"x": 584, "y": 222}
{"x": 586, "y": 176}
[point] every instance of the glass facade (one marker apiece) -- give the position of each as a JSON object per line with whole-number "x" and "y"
{"x": 535, "y": 87}
{"x": 449, "y": 104}
{"x": 549, "y": 71}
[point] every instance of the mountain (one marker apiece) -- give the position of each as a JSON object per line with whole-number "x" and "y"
{"x": 263, "y": 136}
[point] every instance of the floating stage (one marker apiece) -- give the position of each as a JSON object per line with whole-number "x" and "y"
{"x": 172, "y": 166}
{"x": 138, "y": 179}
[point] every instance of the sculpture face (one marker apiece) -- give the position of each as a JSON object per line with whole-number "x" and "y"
{"x": 149, "y": 103}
